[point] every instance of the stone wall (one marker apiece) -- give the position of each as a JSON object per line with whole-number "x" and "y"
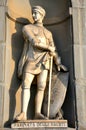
{"x": 79, "y": 31}
{"x": 2, "y": 56}
{"x": 79, "y": 34}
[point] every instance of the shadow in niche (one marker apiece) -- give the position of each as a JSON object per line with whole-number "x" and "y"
{"x": 17, "y": 42}
{"x": 64, "y": 39}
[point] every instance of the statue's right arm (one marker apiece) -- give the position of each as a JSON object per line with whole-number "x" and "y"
{"x": 43, "y": 47}
{"x": 28, "y": 34}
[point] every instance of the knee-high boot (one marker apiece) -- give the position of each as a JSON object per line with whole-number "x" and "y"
{"x": 38, "y": 105}
{"x": 24, "y": 104}
{"x": 38, "y": 101}
{"x": 25, "y": 97}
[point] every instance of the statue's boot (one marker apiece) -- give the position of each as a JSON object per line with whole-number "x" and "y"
{"x": 59, "y": 115}
{"x": 25, "y": 99}
{"x": 21, "y": 117}
{"x": 38, "y": 105}
{"x": 40, "y": 116}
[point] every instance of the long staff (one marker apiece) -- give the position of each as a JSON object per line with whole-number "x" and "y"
{"x": 49, "y": 91}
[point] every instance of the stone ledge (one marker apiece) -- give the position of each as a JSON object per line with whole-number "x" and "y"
{"x": 37, "y": 129}
{"x": 58, "y": 124}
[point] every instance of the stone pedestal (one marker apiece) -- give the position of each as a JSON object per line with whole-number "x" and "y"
{"x": 41, "y": 124}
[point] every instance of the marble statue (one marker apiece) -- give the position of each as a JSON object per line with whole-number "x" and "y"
{"x": 38, "y": 48}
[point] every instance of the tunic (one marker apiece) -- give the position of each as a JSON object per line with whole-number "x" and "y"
{"x": 37, "y": 59}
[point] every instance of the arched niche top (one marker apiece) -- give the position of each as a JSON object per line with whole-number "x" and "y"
{"x": 56, "y": 13}
{"x": 19, "y": 9}
{"x": 7, "y": 2}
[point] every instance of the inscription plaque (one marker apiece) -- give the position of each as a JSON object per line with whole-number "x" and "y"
{"x": 40, "y": 124}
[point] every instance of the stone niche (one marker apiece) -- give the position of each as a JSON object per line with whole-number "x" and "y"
{"x": 59, "y": 22}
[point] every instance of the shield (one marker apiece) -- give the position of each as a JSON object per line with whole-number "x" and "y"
{"x": 58, "y": 92}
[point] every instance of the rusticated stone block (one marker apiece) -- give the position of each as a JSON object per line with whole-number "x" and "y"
{"x": 1, "y": 104}
{"x": 2, "y": 23}
{"x": 2, "y": 62}
{"x": 3, "y": 2}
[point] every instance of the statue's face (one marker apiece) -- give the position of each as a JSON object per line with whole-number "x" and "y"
{"x": 37, "y": 16}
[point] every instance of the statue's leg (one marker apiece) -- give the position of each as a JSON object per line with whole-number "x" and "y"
{"x": 41, "y": 84}
{"x": 26, "y": 84}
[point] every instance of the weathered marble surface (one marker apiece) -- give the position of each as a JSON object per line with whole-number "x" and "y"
{"x": 41, "y": 124}
{"x": 79, "y": 18}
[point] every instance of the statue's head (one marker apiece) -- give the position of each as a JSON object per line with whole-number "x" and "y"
{"x": 38, "y": 13}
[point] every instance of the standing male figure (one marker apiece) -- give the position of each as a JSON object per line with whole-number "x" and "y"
{"x": 38, "y": 48}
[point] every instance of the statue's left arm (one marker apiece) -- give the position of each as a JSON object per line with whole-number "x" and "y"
{"x": 55, "y": 55}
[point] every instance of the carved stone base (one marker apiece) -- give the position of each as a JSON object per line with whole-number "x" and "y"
{"x": 58, "y": 124}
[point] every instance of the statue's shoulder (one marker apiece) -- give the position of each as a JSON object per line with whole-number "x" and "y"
{"x": 29, "y": 26}
{"x": 47, "y": 32}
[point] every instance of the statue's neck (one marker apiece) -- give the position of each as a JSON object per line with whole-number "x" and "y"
{"x": 39, "y": 24}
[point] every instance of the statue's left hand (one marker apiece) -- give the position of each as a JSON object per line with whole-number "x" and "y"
{"x": 62, "y": 67}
